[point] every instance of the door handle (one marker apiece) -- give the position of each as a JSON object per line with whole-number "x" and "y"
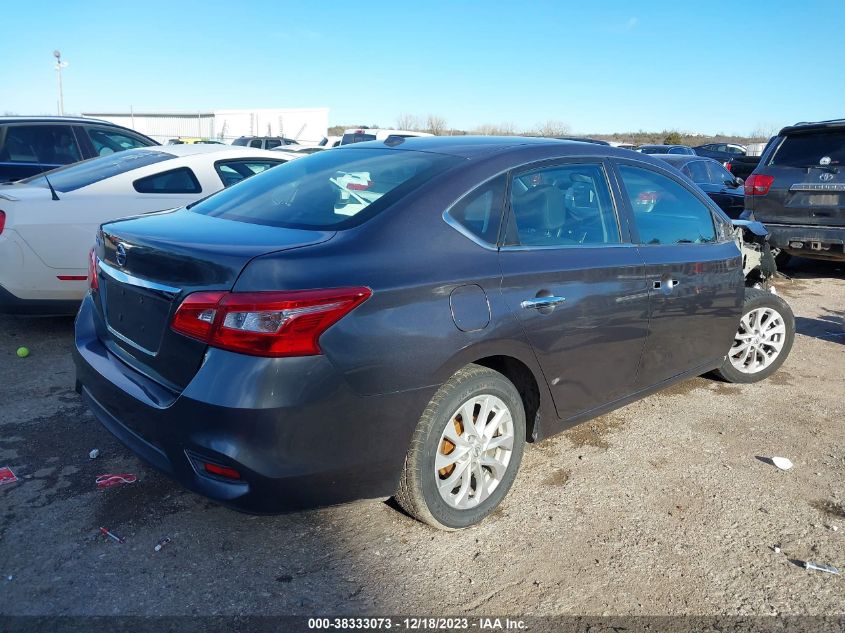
{"x": 669, "y": 284}
{"x": 542, "y": 302}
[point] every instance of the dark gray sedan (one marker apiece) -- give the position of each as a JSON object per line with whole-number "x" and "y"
{"x": 400, "y": 318}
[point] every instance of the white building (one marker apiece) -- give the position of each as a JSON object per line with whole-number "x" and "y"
{"x": 307, "y": 125}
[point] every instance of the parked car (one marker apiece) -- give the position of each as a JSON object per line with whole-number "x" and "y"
{"x": 665, "y": 149}
{"x": 723, "y": 152}
{"x": 743, "y": 166}
{"x": 264, "y": 142}
{"x": 271, "y": 350}
{"x": 48, "y": 222}
{"x": 31, "y": 145}
{"x": 722, "y": 186}
{"x": 190, "y": 140}
{"x": 362, "y": 135}
{"x": 798, "y": 191}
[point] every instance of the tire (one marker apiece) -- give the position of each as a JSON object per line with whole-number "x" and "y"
{"x": 464, "y": 503}
{"x": 769, "y": 314}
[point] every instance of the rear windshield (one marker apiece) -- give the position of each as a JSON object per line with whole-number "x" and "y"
{"x": 88, "y": 172}
{"x": 331, "y": 190}
{"x": 359, "y": 137}
{"x": 806, "y": 150}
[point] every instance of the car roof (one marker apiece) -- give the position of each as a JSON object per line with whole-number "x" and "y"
{"x": 682, "y": 159}
{"x": 661, "y": 145}
{"x": 54, "y": 119}
{"x": 807, "y": 126}
{"x": 191, "y": 149}
{"x": 485, "y": 146}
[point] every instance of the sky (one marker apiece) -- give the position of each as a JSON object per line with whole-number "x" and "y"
{"x": 599, "y": 67}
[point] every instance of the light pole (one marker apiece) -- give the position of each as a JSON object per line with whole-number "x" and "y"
{"x": 59, "y": 65}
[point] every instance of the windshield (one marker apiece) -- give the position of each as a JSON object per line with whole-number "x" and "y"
{"x": 335, "y": 189}
{"x": 805, "y": 150}
{"x": 88, "y": 172}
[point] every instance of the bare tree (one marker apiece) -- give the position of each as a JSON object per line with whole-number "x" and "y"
{"x": 407, "y": 122}
{"x": 435, "y": 124}
{"x": 496, "y": 129}
{"x": 553, "y": 128}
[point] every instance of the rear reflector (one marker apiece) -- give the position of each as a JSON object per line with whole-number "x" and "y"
{"x": 287, "y": 323}
{"x": 72, "y": 277}
{"x": 758, "y": 184}
{"x": 2, "y": 221}
{"x": 93, "y": 280}
{"x": 221, "y": 471}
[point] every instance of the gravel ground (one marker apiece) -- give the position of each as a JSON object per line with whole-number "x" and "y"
{"x": 662, "y": 507}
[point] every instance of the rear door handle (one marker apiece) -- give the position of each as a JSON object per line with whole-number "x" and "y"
{"x": 542, "y": 302}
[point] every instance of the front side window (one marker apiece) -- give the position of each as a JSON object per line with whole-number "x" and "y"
{"x": 719, "y": 175}
{"x": 181, "y": 180}
{"x": 480, "y": 211}
{"x": 809, "y": 149}
{"x": 562, "y": 205}
{"x": 44, "y": 144}
{"x": 666, "y": 212}
{"x": 233, "y": 171}
{"x": 108, "y": 141}
{"x": 94, "y": 170}
{"x": 241, "y": 141}
{"x": 697, "y": 171}
{"x": 327, "y": 190}
{"x": 256, "y": 142}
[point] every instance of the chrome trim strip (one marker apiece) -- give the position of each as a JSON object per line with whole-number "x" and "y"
{"x": 817, "y": 186}
{"x": 129, "y": 341}
{"x": 132, "y": 280}
{"x": 460, "y": 228}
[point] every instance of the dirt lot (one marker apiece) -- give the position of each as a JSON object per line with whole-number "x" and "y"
{"x": 658, "y": 508}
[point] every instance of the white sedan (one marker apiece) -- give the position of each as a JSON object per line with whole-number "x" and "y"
{"x": 48, "y": 222}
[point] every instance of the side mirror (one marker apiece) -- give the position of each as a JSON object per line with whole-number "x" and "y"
{"x": 735, "y": 182}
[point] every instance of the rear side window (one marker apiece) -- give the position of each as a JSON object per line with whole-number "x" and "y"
{"x": 108, "y": 141}
{"x": 94, "y": 170}
{"x": 181, "y": 180}
{"x": 562, "y": 205}
{"x": 271, "y": 143}
{"x": 718, "y": 174}
{"x": 480, "y": 211}
{"x": 233, "y": 171}
{"x": 44, "y": 144}
{"x": 357, "y": 138}
{"x": 327, "y": 190}
{"x": 808, "y": 150}
{"x": 256, "y": 142}
{"x": 665, "y": 211}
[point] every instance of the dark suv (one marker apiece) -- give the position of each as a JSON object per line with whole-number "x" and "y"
{"x": 31, "y": 145}
{"x": 798, "y": 190}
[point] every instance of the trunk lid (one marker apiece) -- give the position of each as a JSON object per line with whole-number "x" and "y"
{"x": 810, "y": 196}
{"x": 149, "y": 264}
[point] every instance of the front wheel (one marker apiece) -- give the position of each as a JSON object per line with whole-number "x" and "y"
{"x": 466, "y": 450}
{"x": 763, "y": 341}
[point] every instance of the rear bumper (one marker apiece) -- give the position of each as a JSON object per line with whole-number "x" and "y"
{"x": 816, "y": 241}
{"x": 292, "y": 427}
{"x": 12, "y": 304}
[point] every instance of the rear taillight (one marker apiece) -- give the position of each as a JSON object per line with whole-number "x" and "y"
{"x": 274, "y": 324}
{"x": 758, "y": 184}
{"x": 221, "y": 471}
{"x": 728, "y": 166}
{"x": 93, "y": 280}
{"x": 2, "y": 221}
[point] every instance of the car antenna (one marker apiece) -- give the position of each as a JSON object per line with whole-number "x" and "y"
{"x": 52, "y": 191}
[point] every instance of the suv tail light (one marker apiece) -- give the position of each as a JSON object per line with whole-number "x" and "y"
{"x": 758, "y": 184}
{"x": 287, "y": 323}
{"x": 728, "y": 166}
{"x": 2, "y": 221}
{"x": 93, "y": 280}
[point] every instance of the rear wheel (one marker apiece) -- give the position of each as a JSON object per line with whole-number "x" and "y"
{"x": 763, "y": 341}
{"x": 466, "y": 450}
